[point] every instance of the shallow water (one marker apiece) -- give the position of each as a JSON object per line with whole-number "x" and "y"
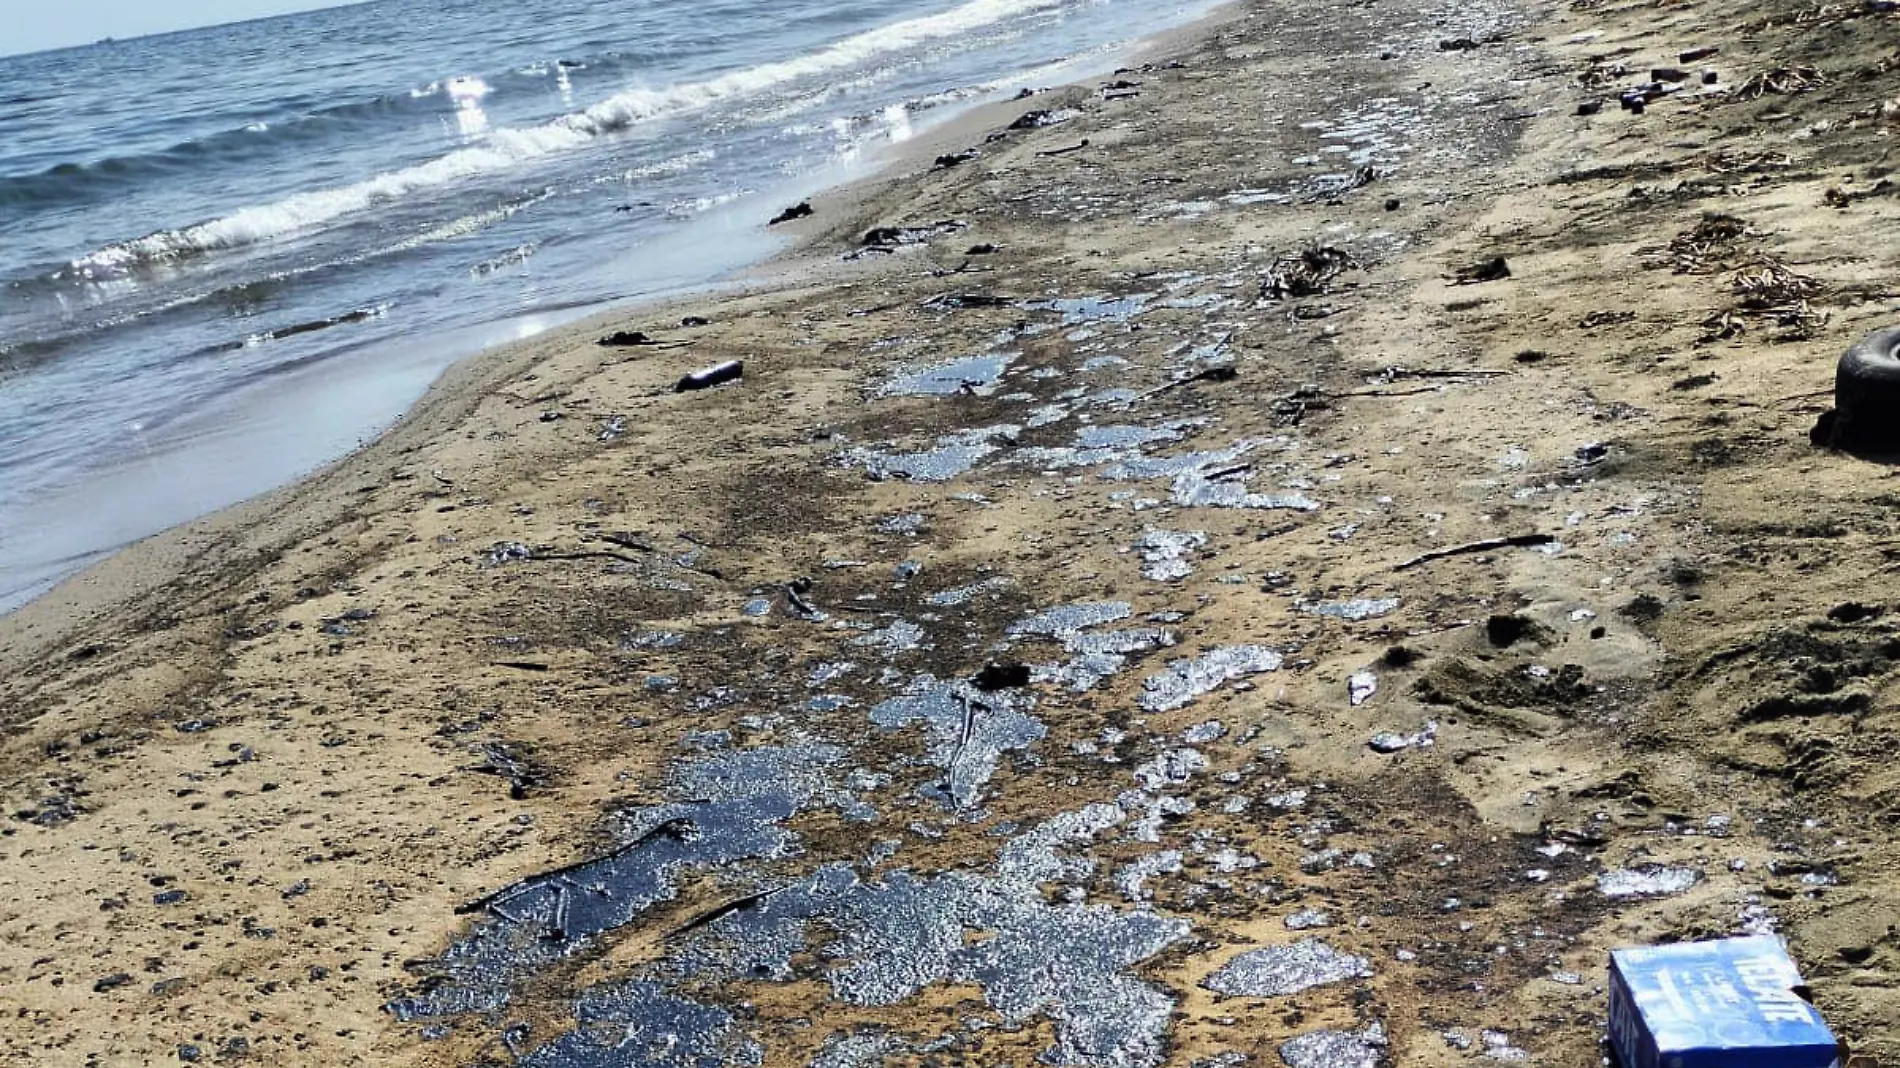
{"x": 230, "y": 255}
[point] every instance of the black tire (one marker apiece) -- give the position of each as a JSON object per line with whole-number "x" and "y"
{"x": 1867, "y": 395}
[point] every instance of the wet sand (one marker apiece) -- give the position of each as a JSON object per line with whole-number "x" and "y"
{"x": 1032, "y": 654}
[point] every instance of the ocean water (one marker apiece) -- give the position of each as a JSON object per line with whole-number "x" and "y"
{"x": 229, "y": 255}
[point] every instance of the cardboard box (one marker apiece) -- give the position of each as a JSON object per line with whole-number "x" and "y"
{"x": 1724, "y": 1004}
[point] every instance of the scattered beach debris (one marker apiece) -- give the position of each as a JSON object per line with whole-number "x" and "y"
{"x": 1044, "y": 117}
{"x": 635, "y": 338}
{"x": 1492, "y": 270}
{"x": 1307, "y": 274}
{"x": 1065, "y": 151}
{"x": 1780, "y": 81}
{"x": 1866, "y": 412}
{"x": 1360, "y": 687}
{"x": 797, "y": 595}
{"x": 707, "y": 378}
{"x": 1217, "y": 373}
{"x": 1333, "y": 188}
{"x": 1769, "y": 291}
{"x": 1703, "y": 1004}
{"x": 1705, "y": 248}
{"x": 893, "y": 237}
{"x": 1389, "y": 742}
{"x": 511, "y": 762}
{"x": 957, "y": 301}
{"x": 1647, "y": 880}
{"x": 800, "y": 210}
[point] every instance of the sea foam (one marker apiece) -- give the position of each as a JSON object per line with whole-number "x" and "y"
{"x": 510, "y": 147}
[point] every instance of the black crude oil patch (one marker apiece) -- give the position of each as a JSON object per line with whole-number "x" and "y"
{"x": 1281, "y": 971}
{"x": 974, "y": 375}
{"x": 890, "y": 938}
{"x": 970, "y": 730}
{"x": 640, "y": 1025}
{"x": 738, "y": 800}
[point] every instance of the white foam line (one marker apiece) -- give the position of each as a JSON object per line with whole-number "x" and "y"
{"x": 510, "y": 147}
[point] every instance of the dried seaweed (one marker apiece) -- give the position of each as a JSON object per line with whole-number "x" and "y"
{"x": 1781, "y": 81}
{"x": 1307, "y": 274}
{"x": 1706, "y": 248}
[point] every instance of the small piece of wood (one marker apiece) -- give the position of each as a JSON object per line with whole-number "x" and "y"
{"x": 1519, "y": 541}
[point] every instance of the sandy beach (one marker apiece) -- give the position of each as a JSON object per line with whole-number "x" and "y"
{"x": 1287, "y": 553}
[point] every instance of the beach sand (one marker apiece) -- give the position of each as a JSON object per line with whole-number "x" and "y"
{"x": 253, "y": 767}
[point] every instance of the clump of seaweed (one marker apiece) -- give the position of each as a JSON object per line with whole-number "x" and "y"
{"x": 1769, "y": 292}
{"x": 1307, "y": 274}
{"x": 1706, "y": 248}
{"x": 1781, "y": 81}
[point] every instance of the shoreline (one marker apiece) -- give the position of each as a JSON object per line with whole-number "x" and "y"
{"x": 165, "y": 556}
{"x": 1130, "y": 595}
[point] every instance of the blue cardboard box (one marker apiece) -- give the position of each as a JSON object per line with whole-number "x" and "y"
{"x": 1723, "y": 1004}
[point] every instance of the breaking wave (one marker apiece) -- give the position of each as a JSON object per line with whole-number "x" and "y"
{"x": 505, "y": 148}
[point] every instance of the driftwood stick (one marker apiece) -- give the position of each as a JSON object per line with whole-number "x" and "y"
{"x": 1065, "y": 151}
{"x": 1519, "y": 541}
{"x": 721, "y": 912}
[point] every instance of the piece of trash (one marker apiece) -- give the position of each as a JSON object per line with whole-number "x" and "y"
{"x": 888, "y": 237}
{"x": 1307, "y": 274}
{"x": 1219, "y": 373}
{"x": 625, "y": 337}
{"x": 996, "y": 676}
{"x": 1735, "y": 1001}
{"x": 1492, "y": 270}
{"x": 1693, "y": 55}
{"x": 954, "y": 159}
{"x": 1389, "y": 742}
{"x": 800, "y": 210}
{"x": 1647, "y": 880}
{"x": 946, "y": 301}
{"x": 717, "y": 374}
{"x": 1866, "y": 398}
{"x": 1036, "y": 120}
{"x": 1361, "y": 687}
{"x": 1068, "y": 150}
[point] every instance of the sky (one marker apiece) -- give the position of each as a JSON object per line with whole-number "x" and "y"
{"x": 36, "y": 25}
